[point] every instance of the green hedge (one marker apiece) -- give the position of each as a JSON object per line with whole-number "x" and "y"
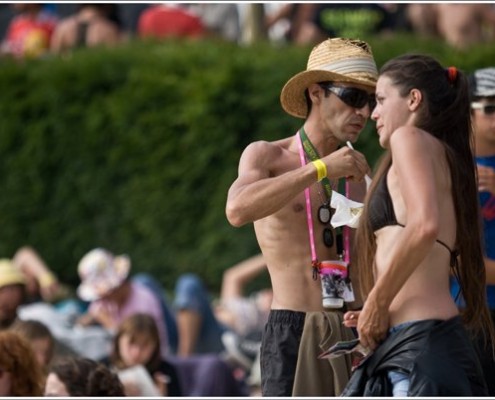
{"x": 134, "y": 148}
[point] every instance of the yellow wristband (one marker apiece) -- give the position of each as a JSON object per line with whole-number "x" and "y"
{"x": 47, "y": 279}
{"x": 321, "y": 169}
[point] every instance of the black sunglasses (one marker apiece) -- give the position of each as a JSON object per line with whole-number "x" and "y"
{"x": 353, "y": 97}
{"x": 488, "y": 109}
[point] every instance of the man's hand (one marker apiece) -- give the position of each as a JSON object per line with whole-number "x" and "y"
{"x": 486, "y": 179}
{"x": 49, "y": 286}
{"x": 351, "y": 319}
{"x": 348, "y": 163}
{"x": 101, "y": 316}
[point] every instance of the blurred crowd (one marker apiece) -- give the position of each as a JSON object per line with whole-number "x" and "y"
{"x": 121, "y": 333}
{"x": 35, "y": 29}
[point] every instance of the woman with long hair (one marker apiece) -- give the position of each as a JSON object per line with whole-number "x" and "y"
{"x": 420, "y": 225}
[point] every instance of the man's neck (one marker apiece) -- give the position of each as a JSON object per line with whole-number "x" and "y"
{"x": 325, "y": 143}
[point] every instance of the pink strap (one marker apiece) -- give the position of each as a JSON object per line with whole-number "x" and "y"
{"x": 346, "y": 231}
{"x": 309, "y": 217}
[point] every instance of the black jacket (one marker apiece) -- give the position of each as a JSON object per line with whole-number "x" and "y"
{"x": 438, "y": 356}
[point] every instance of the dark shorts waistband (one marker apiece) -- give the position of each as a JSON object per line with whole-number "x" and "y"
{"x": 286, "y": 317}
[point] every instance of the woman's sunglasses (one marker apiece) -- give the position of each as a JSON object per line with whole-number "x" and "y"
{"x": 353, "y": 97}
{"x": 488, "y": 109}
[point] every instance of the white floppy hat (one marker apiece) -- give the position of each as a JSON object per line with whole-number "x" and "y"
{"x": 338, "y": 60}
{"x": 100, "y": 272}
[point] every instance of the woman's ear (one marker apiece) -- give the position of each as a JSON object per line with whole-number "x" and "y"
{"x": 415, "y": 99}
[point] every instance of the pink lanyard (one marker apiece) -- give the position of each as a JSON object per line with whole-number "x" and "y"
{"x": 314, "y": 258}
{"x": 346, "y": 232}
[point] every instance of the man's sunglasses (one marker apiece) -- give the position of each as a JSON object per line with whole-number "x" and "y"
{"x": 353, "y": 97}
{"x": 488, "y": 109}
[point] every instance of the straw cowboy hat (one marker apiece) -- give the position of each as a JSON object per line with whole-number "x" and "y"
{"x": 101, "y": 272}
{"x": 338, "y": 60}
{"x": 9, "y": 274}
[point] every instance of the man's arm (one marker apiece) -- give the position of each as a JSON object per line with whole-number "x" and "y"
{"x": 236, "y": 277}
{"x": 30, "y": 264}
{"x": 256, "y": 193}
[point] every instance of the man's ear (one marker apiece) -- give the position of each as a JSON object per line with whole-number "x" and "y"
{"x": 315, "y": 93}
{"x": 415, "y": 99}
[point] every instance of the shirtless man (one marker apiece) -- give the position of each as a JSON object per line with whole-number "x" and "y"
{"x": 334, "y": 96}
{"x": 464, "y": 25}
{"x": 90, "y": 26}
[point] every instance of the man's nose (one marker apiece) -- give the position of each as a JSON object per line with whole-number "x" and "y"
{"x": 365, "y": 111}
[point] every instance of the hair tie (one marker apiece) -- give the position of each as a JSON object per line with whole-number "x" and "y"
{"x": 452, "y": 74}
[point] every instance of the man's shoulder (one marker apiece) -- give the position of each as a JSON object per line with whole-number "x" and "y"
{"x": 265, "y": 146}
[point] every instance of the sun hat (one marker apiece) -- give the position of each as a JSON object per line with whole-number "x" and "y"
{"x": 9, "y": 274}
{"x": 482, "y": 82}
{"x": 100, "y": 272}
{"x": 337, "y": 60}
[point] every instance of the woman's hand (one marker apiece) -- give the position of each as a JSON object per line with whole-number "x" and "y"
{"x": 161, "y": 382}
{"x": 372, "y": 324}
{"x": 131, "y": 389}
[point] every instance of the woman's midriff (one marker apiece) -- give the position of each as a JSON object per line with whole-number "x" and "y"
{"x": 426, "y": 293}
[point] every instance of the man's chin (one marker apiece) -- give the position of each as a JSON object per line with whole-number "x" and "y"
{"x": 352, "y": 136}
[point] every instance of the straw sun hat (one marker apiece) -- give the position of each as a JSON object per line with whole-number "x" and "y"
{"x": 338, "y": 60}
{"x": 101, "y": 272}
{"x": 9, "y": 274}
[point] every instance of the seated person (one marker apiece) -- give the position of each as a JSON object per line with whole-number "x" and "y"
{"x": 12, "y": 292}
{"x": 199, "y": 331}
{"x": 105, "y": 283}
{"x": 41, "y": 283}
{"x": 200, "y": 326}
{"x": 137, "y": 342}
{"x": 78, "y": 376}
{"x": 20, "y": 375}
{"x": 192, "y": 327}
{"x": 245, "y": 316}
{"x": 40, "y": 338}
{"x": 242, "y": 313}
{"x": 29, "y": 32}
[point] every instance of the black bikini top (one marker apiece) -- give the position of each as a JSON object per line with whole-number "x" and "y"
{"x": 381, "y": 210}
{"x": 381, "y": 213}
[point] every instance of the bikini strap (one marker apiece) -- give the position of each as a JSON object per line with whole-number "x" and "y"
{"x": 453, "y": 253}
